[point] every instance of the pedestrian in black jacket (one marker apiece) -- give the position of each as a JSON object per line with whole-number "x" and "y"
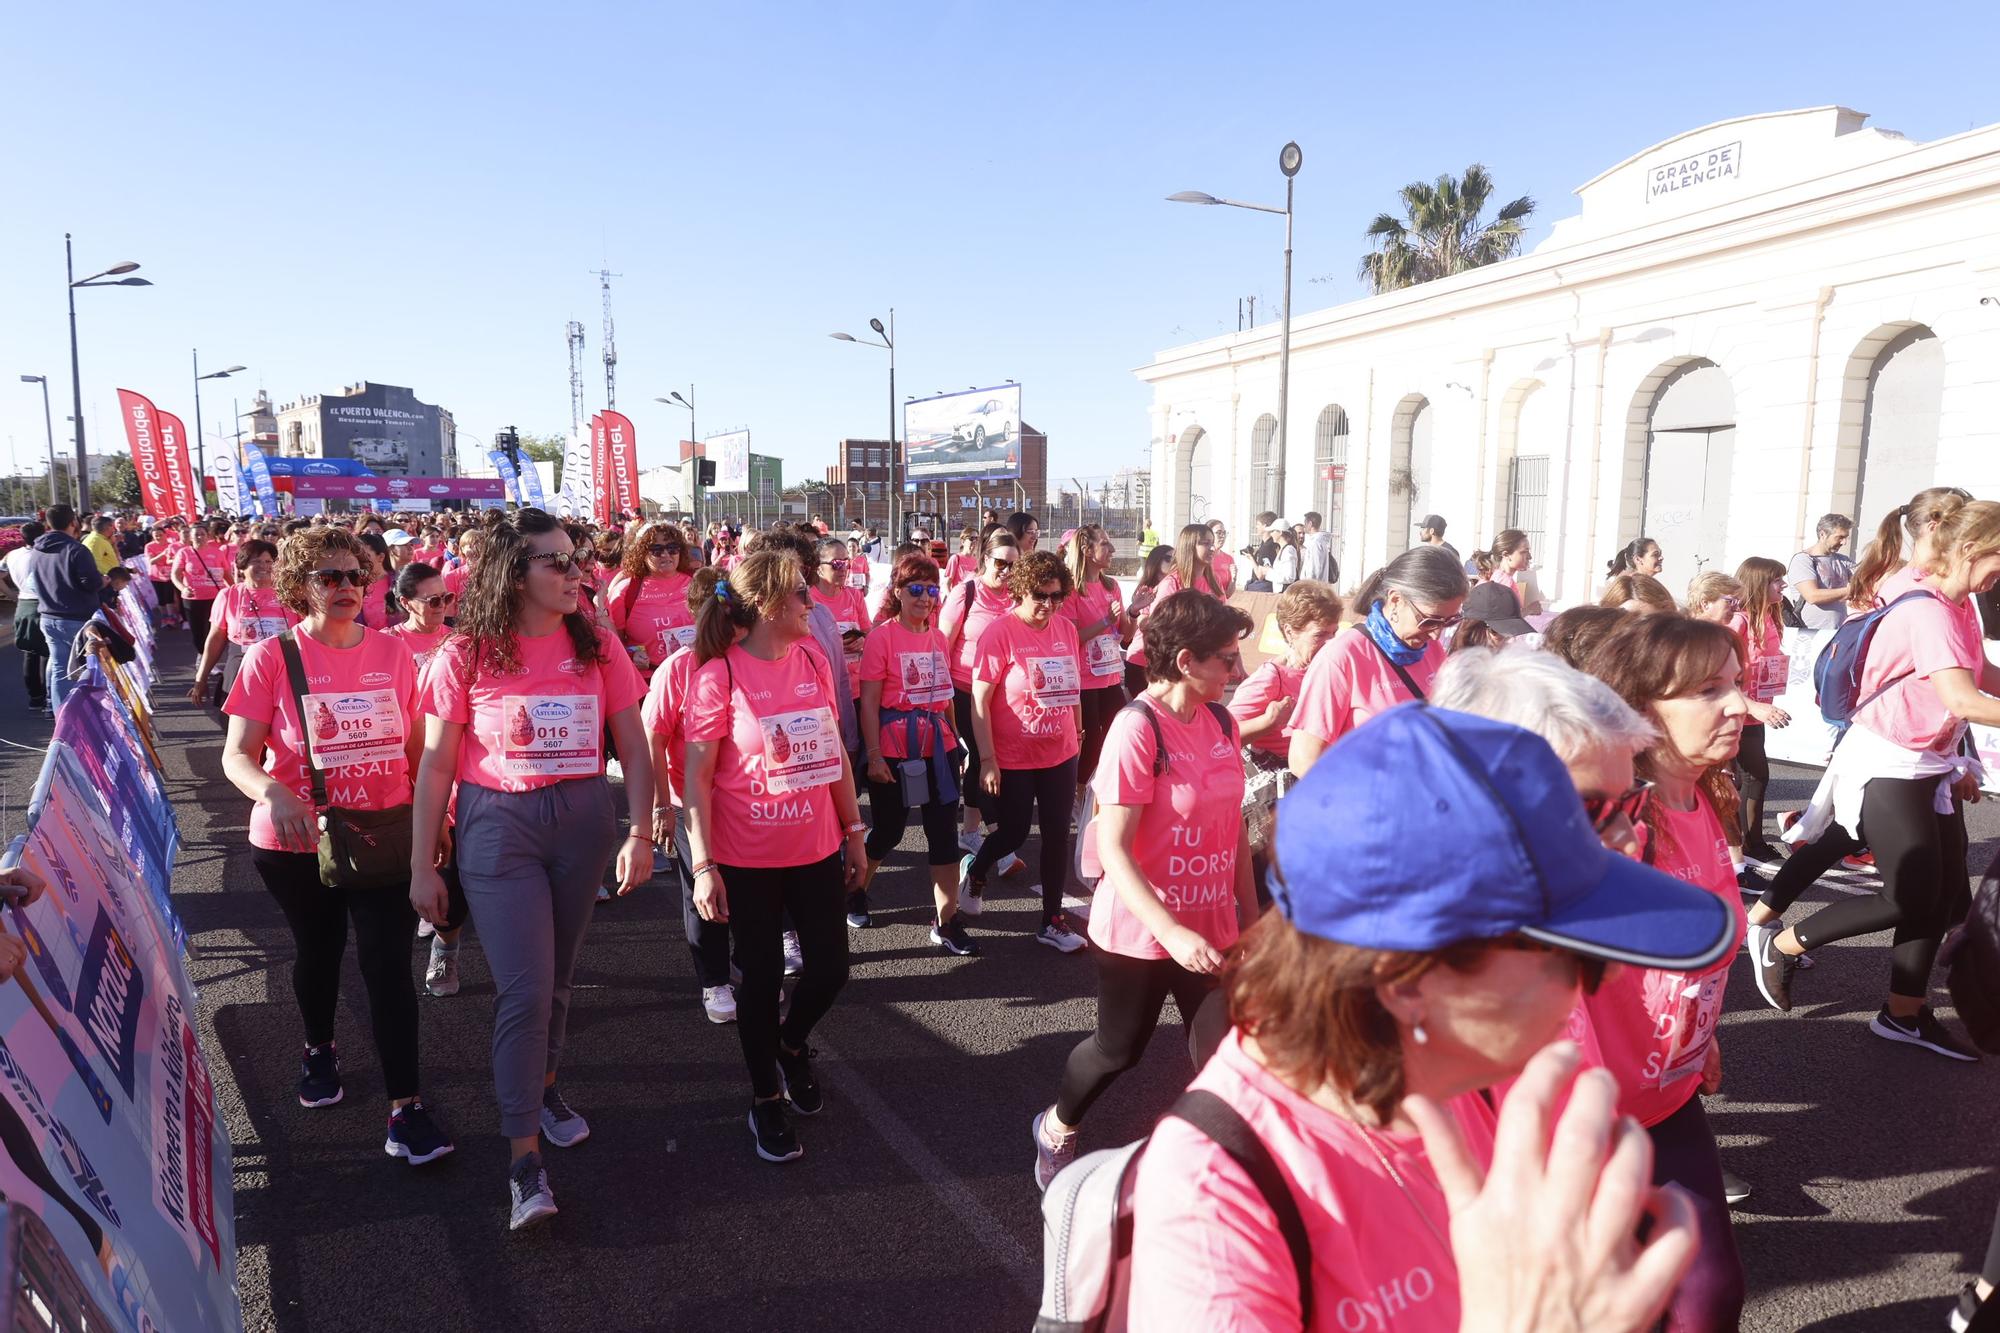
{"x": 68, "y": 584}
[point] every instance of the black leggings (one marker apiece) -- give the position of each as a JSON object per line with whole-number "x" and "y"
{"x": 760, "y": 899}
{"x": 1753, "y": 775}
{"x": 708, "y": 941}
{"x": 1710, "y": 1298}
{"x": 1100, "y": 705}
{"x": 889, "y": 816}
{"x": 1921, "y": 856}
{"x": 384, "y": 926}
{"x": 1050, "y": 791}
{"x": 198, "y": 618}
{"x": 968, "y": 782}
{"x": 35, "y": 675}
{"x": 1130, "y": 994}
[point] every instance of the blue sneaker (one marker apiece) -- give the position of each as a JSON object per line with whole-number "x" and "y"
{"x": 415, "y": 1136}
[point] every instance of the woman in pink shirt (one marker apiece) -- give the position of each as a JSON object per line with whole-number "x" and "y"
{"x": 356, "y": 723}
{"x": 1760, "y": 647}
{"x": 648, "y": 597}
{"x": 377, "y": 611}
{"x": 1097, "y": 609}
{"x": 1898, "y": 779}
{"x": 1388, "y": 659}
{"x": 964, "y": 564}
{"x": 249, "y": 612}
{"x": 199, "y": 574}
{"x": 847, "y": 605}
{"x": 1026, "y": 686}
{"x": 519, "y": 702}
{"x": 857, "y": 566}
{"x": 1308, "y": 616}
{"x": 906, "y": 697}
{"x": 160, "y": 553}
{"x": 769, "y": 788}
{"x": 1365, "y": 1011}
{"x": 968, "y": 609}
{"x": 1510, "y": 557}
{"x": 1192, "y": 568}
{"x": 1881, "y": 574}
{"x": 1171, "y": 840}
{"x": 470, "y": 543}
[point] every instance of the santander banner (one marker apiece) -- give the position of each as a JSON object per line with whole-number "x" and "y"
{"x": 600, "y": 470}
{"x": 180, "y": 468}
{"x": 142, "y": 432}
{"x": 622, "y": 446}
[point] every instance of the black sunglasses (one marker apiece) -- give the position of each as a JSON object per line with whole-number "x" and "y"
{"x": 1050, "y": 598}
{"x": 663, "y": 548}
{"x": 560, "y": 561}
{"x": 923, "y": 589}
{"x": 333, "y": 578}
{"x": 435, "y": 601}
{"x": 1631, "y": 803}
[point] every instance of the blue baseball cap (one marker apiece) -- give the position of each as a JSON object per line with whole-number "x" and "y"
{"x": 1425, "y": 828}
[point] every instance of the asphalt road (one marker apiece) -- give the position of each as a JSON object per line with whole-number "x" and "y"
{"x": 912, "y": 1207}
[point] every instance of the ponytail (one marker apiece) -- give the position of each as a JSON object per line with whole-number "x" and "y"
{"x": 1884, "y": 555}
{"x": 761, "y": 579}
{"x": 720, "y": 617}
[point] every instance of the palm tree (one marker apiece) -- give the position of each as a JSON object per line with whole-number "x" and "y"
{"x": 1441, "y": 232}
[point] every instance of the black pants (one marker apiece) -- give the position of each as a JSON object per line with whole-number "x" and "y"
{"x": 1753, "y": 775}
{"x": 1130, "y": 994}
{"x": 1921, "y": 856}
{"x": 889, "y": 816}
{"x": 1041, "y": 797}
{"x": 166, "y": 594}
{"x": 968, "y": 784}
{"x": 384, "y": 926}
{"x": 1710, "y": 1298}
{"x": 708, "y": 941}
{"x": 1099, "y": 707}
{"x": 759, "y": 900}
{"x": 198, "y": 619}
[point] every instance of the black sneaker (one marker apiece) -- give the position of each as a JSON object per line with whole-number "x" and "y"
{"x": 857, "y": 911}
{"x": 415, "y": 1136}
{"x": 771, "y": 1128}
{"x": 800, "y": 1085}
{"x": 1924, "y": 1030}
{"x": 951, "y": 937}
{"x": 1773, "y": 970}
{"x": 1735, "y": 1189}
{"x": 319, "y": 1077}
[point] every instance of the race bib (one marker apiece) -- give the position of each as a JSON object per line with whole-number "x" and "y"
{"x": 926, "y": 678}
{"x": 265, "y": 627}
{"x": 1053, "y": 683}
{"x": 801, "y": 750}
{"x": 345, "y": 730}
{"x": 1100, "y": 653}
{"x": 1693, "y": 1022}
{"x": 858, "y": 579}
{"x": 680, "y": 636}
{"x": 549, "y": 735}
{"x": 1768, "y": 676}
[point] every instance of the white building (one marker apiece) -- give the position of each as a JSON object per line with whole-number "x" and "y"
{"x": 1744, "y": 327}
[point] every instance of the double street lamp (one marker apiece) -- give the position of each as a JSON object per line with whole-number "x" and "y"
{"x": 48, "y": 424}
{"x": 1289, "y": 161}
{"x": 674, "y": 399}
{"x": 201, "y": 439}
{"x": 75, "y": 374}
{"x": 888, "y": 337}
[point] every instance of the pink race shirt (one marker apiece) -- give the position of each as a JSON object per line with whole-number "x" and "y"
{"x": 251, "y": 615}
{"x": 857, "y": 572}
{"x": 1918, "y": 639}
{"x": 1654, "y": 1027}
{"x": 960, "y": 568}
{"x": 456, "y": 579}
{"x": 422, "y": 647}
{"x": 542, "y": 724}
{"x": 375, "y": 603}
{"x": 201, "y": 569}
{"x": 160, "y": 560}
{"x": 1169, "y": 584}
{"x": 1224, "y": 565}
{"x": 1764, "y": 664}
{"x": 1351, "y": 680}
{"x": 849, "y": 609}
{"x": 656, "y": 617}
{"x": 1190, "y": 823}
{"x": 1038, "y": 689}
{"x": 1094, "y": 610}
{"x": 776, "y": 726}
{"x": 1895, "y": 585}
{"x": 1273, "y": 680}
{"x": 1206, "y": 1251}
{"x": 360, "y": 707}
{"x": 663, "y": 713}
{"x": 964, "y": 618}
{"x": 916, "y": 677}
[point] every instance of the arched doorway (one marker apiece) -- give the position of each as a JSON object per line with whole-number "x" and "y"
{"x": 1899, "y": 425}
{"x": 1409, "y": 469}
{"x": 1191, "y": 477}
{"x": 1535, "y": 440}
{"x": 1690, "y": 450}
{"x": 1267, "y": 476}
{"x": 1330, "y": 475}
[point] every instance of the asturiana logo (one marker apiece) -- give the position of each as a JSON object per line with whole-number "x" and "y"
{"x": 552, "y": 710}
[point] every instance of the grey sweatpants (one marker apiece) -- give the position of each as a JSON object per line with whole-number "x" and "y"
{"x": 530, "y": 863}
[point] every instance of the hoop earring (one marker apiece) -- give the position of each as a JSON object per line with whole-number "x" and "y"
{"x": 1419, "y": 1036}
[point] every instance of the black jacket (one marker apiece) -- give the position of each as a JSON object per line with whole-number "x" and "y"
{"x": 66, "y": 576}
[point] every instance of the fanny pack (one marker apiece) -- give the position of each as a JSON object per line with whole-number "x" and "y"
{"x": 358, "y": 849}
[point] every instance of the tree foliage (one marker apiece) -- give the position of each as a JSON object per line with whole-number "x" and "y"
{"x": 1442, "y": 232}
{"x": 117, "y": 484}
{"x": 545, "y": 449}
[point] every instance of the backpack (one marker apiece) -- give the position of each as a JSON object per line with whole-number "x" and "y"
{"x": 1087, "y": 1222}
{"x": 1971, "y": 961}
{"x": 1837, "y": 673}
{"x": 1087, "y": 867}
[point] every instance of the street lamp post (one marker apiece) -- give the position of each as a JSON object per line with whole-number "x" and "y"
{"x": 1289, "y": 161}
{"x": 75, "y": 374}
{"x": 674, "y": 399}
{"x": 200, "y": 439}
{"x": 49, "y": 425}
{"x": 888, "y": 337}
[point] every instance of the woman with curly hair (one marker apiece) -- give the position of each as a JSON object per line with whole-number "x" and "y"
{"x": 519, "y": 702}
{"x": 648, "y": 599}
{"x": 275, "y": 732}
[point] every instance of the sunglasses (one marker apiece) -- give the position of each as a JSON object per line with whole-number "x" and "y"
{"x": 562, "y": 562}
{"x": 836, "y": 564}
{"x": 662, "y": 548}
{"x": 1048, "y": 598}
{"x": 439, "y": 600}
{"x": 1432, "y": 624}
{"x": 923, "y": 590}
{"x": 333, "y": 578}
{"x": 1631, "y": 803}
{"x": 1002, "y": 565}
{"x": 804, "y": 594}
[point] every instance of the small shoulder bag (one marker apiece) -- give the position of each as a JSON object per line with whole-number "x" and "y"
{"x": 358, "y": 849}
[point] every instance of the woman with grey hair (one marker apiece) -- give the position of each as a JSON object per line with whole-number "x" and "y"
{"x": 1388, "y": 659}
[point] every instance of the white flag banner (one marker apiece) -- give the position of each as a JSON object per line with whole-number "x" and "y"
{"x": 574, "y": 499}
{"x": 228, "y": 482}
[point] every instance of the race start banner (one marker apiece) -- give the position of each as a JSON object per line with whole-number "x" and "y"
{"x": 117, "y": 1169}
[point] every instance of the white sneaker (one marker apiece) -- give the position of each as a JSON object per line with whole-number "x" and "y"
{"x": 969, "y": 901}
{"x": 1009, "y": 864}
{"x": 529, "y": 1193}
{"x": 425, "y": 929}
{"x": 441, "y": 977}
{"x": 719, "y": 1002}
{"x": 795, "y": 959}
{"x": 1057, "y": 935}
{"x": 614, "y": 770}
{"x": 970, "y": 842}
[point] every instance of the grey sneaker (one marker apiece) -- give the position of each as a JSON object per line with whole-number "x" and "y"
{"x": 560, "y": 1125}
{"x": 528, "y": 1187}
{"x": 1049, "y": 1158}
{"x": 795, "y": 959}
{"x": 441, "y": 977}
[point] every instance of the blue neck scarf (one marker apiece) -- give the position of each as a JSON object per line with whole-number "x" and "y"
{"x": 1388, "y": 640}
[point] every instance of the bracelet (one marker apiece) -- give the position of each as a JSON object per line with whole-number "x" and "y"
{"x": 636, "y": 836}
{"x": 857, "y": 827}
{"x": 704, "y": 868}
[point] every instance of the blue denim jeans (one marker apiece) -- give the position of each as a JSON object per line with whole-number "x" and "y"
{"x": 61, "y": 632}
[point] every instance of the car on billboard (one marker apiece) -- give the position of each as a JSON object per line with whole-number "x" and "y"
{"x": 982, "y": 424}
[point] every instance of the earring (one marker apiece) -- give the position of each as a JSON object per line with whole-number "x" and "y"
{"x": 1419, "y": 1036}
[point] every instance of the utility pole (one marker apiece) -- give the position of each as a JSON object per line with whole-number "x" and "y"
{"x": 575, "y": 332}
{"x": 604, "y": 277}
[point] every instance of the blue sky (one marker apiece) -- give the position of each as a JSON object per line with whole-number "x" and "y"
{"x": 417, "y": 194}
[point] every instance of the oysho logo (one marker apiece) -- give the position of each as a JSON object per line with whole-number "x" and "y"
{"x": 551, "y": 710}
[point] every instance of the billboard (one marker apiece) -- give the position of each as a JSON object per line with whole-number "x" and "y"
{"x": 385, "y": 428}
{"x": 731, "y": 453}
{"x": 970, "y": 436}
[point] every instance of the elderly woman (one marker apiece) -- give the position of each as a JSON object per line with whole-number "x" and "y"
{"x": 1471, "y": 906}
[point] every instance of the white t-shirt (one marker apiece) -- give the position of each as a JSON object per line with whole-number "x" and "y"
{"x": 17, "y": 570}
{"x": 1828, "y": 571}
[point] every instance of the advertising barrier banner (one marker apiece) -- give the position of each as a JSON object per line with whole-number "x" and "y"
{"x": 621, "y": 451}
{"x": 394, "y": 488}
{"x": 142, "y": 433}
{"x": 969, "y": 436}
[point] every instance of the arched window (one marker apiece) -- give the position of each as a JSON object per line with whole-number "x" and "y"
{"x": 1330, "y": 471}
{"x": 1267, "y": 475}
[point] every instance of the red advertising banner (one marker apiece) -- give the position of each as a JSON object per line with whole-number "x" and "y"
{"x": 600, "y": 470}
{"x": 622, "y": 445}
{"x": 142, "y": 432}
{"x": 180, "y": 468}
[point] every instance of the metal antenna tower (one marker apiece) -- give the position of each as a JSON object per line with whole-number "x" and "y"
{"x": 604, "y": 277}
{"x": 575, "y": 376}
